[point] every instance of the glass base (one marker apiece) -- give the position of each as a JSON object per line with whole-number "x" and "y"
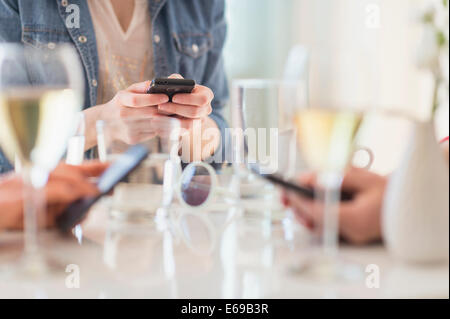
{"x": 31, "y": 266}
{"x": 328, "y": 269}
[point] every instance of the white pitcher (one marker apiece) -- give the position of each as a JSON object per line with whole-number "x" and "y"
{"x": 416, "y": 208}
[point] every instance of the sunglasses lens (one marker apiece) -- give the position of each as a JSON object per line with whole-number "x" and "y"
{"x": 196, "y": 184}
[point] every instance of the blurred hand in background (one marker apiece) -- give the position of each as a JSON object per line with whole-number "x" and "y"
{"x": 360, "y": 218}
{"x": 66, "y": 184}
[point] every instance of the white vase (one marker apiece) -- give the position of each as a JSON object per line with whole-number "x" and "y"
{"x": 416, "y": 207}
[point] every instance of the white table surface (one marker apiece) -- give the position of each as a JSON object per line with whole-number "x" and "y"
{"x": 123, "y": 261}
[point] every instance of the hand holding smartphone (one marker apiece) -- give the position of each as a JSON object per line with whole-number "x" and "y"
{"x": 170, "y": 87}
{"x": 116, "y": 173}
{"x": 299, "y": 189}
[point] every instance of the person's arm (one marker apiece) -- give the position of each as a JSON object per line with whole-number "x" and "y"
{"x": 132, "y": 102}
{"x": 66, "y": 185}
{"x": 10, "y": 31}
{"x": 201, "y": 136}
{"x": 212, "y": 135}
{"x": 191, "y": 109}
{"x": 359, "y": 219}
{"x": 215, "y": 77}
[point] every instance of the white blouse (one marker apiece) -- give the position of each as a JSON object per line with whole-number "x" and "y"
{"x": 125, "y": 57}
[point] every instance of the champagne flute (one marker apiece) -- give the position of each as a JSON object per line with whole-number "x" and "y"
{"x": 41, "y": 91}
{"x": 326, "y": 133}
{"x": 327, "y": 125}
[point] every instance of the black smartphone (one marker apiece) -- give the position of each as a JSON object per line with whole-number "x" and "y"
{"x": 170, "y": 87}
{"x": 299, "y": 189}
{"x": 116, "y": 173}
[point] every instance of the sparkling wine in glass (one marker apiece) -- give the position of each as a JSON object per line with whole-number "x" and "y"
{"x": 41, "y": 94}
{"x": 326, "y": 140}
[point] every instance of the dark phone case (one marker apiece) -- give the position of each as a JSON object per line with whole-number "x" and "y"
{"x": 299, "y": 189}
{"x": 170, "y": 87}
{"x": 128, "y": 162}
{"x": 302, "y": 190}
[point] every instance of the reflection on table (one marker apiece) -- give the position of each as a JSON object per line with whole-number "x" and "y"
{"x": 253, "y": 258}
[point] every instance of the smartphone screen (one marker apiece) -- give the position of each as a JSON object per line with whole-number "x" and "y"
{"x": 116, "y": 173}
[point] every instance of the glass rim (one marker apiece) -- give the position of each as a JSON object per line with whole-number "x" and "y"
{"x": 63, "y": 52}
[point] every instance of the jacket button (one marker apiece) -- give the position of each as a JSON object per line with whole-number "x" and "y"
{"x": 82, "y": 39}
{"x": 64, "y": 3}
{"x": 51, "y": 45}
{"x": 157, "y": 38}
{"x": 94, "y": 83}
{"x": 195, "y": 48}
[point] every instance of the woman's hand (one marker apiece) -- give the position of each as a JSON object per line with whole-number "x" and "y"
{"x": 195, "y": 105}
{"x": 202, "y": 136}
{"x": 359, "y": 219}
{"x": 133, "y": 102}
{"x": 66, "y": 185}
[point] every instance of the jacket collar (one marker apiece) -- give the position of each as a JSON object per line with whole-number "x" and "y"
{"x": 155, "y": 7}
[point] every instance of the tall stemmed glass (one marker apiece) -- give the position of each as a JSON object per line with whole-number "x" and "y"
{"x": 41, "y": 91}
{"x": 326, "y": 134}
{"x": 326, "y": 126}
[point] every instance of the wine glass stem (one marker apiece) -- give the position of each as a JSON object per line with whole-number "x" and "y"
{"x": 331, "y": 198}
{"x": 33, "y": 209}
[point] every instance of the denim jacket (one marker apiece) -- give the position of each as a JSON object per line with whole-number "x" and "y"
{"x": 188, "y": 38}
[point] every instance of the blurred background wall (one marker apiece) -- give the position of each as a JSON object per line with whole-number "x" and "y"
{"x": 260, "y": 35}
{"x": 361, "y": 50}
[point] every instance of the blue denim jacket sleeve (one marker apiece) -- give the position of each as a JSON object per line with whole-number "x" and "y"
{"x": 10, "y": 30}
{"x": 191, "y": 32}
{"x": 194, "y": 48}
{"x": 214, "y": 75}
